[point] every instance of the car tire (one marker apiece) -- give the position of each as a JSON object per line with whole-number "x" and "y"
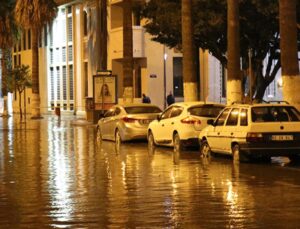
{"x": 99, "y": 135}
{"x": 118, "y": 139}
{"x": 151, "y": 141}
{"x": 205, "y": 150}
{"x": 177, "y": 143}
{"x": 237, "y": 155}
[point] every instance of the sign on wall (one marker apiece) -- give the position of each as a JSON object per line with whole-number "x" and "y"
{"x": 104, "y": 91}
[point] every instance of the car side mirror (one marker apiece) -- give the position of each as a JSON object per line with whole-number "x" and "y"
{"x": 210, "y": 122}
{"x": 158, "y": 118}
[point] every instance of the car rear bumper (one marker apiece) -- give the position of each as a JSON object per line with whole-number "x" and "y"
{"x": 271, "y": 148}
{"x": 133, "y": 134}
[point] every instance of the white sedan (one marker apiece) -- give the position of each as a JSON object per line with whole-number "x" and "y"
{"x": 179, "y": 125}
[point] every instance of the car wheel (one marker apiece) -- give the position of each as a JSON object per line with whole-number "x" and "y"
{"x": 151, "y": 142}
{"x": 205, "y": 150}
{"x": 237, "y": 155}
{"x": 177, "y": 143}
{"x": 118, "y": 138}
{"x": 99, "y": 135}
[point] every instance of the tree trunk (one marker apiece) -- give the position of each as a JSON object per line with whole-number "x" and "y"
{"x": 35, "y": 104}
{"x": 127, "y": 52}
{"x": 6, "y": 53}
{"x": 234, "y": 83}
{"x": 190, "y": 88}
{"x": 289, "y": 51}
{"x": 103, "y": 33}
{"x": 20, "y": 105}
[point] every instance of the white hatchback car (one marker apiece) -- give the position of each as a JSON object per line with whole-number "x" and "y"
{"x": 179, "y": 125}
{"x": 253, "y": 131}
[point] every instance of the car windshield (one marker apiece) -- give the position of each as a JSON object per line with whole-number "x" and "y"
{"x": 142, "y": 110}
{"x": 210, "y": 111}
{"x": 275, "y": 114}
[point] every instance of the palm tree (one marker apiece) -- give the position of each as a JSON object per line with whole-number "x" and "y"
{"x": 289, "y": 51}
{"x": 127, "y": 52}
{"x": 234, "y": 86}
{"x": 189, "y": 51}
{"x": 34, "y": 15}
{"x": 8, "y": 37}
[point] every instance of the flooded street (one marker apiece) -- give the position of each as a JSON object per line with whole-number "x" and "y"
{"x": 54, "y": 174}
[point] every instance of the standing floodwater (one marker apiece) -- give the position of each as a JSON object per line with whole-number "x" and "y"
{"x": 54, "y": 175}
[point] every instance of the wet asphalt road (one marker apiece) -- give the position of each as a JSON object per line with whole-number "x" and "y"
{"x": 55, "y": 175}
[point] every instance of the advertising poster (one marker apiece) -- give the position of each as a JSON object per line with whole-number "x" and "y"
{"x": 105, "y": 94}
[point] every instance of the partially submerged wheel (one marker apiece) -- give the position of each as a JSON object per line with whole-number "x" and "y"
{"x": 205, "y": 150}
{"x": 118, "y": 138}
{"x": 99, "y": 135}
{"x": 237, "y": 155}
{"x": 151, "y": 142}
{"x": 177, "y": 143}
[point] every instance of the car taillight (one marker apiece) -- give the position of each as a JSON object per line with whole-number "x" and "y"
{"x": 190, "y": 120}
{"x": 129, "y": 120}
{"x": 254, "y": 137}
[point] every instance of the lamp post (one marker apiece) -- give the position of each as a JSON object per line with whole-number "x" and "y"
{"x": 165, "y": 75}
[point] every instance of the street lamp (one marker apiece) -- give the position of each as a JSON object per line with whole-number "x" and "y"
{"x": 165, "y": 81}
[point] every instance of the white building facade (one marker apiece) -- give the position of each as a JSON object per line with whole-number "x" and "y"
{"x": 70, "y": 47}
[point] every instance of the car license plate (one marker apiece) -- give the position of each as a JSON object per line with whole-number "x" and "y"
{"x": 282, "y": 137}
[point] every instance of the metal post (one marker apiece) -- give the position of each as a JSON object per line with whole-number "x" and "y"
{"x": 165, "y": 83}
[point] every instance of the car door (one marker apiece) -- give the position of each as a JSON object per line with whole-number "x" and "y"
{"x": 107, "y": 128}
{"x": 170, "y": 123}
{"x": 215, "y": 136}
{"x": 229, "y": 131}
{"x": 160, "y": 131}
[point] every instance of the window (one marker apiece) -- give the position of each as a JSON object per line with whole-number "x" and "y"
{"x": 233, "y": 117}
{"x": 176, "y": 111}
{"x": 71, "y": 82}
{"x": 221, "y": 119}
{"x": 29, "y": 39}
{"x": 166, "y": 113}
{"x": 209, "y": 111}
{"x": 85, "y": 30}
{"x": 244, "y": 117}
{"x": 64, "y": 75}
{"x": 177, "y": 77}
{"x": 142, "y": 110}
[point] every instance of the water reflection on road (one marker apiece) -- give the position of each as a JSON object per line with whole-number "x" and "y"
{"x": 54, "y": 174}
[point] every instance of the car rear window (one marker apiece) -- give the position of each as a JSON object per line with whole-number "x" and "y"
{"x": 142, "y": 110}
{"x": 275, "y": 114}
{"x": 210, "y": 111}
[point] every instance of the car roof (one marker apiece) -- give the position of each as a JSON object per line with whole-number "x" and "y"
{"x": 136, "y": 104}
{"x": 195, "y": 103}
{"x": 261, "y": 105}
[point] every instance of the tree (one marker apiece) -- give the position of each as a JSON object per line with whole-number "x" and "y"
{"x": 259, "y": 31}
{"x": 289, "y": 51}
{"x": 34, "y": 15}
{"x": 8, "y": 37}
{"x": 234, "y": 86}
{"x": 189, "y": 53}
{"x": 127, "y": 52}
{"x": 21, "y": 80}
{"x": 102, "y": 33}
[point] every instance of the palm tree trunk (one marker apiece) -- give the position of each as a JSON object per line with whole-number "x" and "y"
{"x": 127, "y": 52}
{"x": 234, "y": 83}
{"x": 289, "y": 51}
{"x": 6, "y": 55}
{"x": 190, "y": 86}
{"x": 103, "y": 33}
{"x": 35, "y": 104}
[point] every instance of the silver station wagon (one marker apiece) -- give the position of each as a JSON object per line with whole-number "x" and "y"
{"x": 255, "y": 131}
{"x": 126, "y": 122}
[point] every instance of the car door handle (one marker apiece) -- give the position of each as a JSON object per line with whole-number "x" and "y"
{"x": 162, "y": 124}
{"x": 172, "y": 123}
{"x": 218, "y": 133}
{"x": 231, "y": 133}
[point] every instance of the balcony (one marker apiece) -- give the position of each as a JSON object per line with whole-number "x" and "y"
{"x": 116, "y": 42}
